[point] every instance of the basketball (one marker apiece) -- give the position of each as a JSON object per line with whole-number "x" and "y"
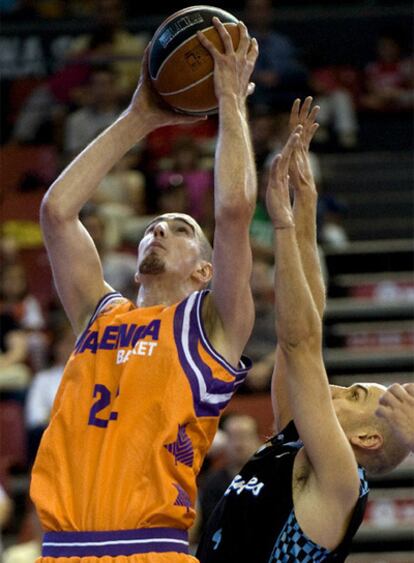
{"x": 180, "y": 68}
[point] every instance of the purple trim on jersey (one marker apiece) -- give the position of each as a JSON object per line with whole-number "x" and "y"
{"x": 207, "y": 410}
{"x": 113, "y": 544}
{"x": 245, "y": 363}
{"x": 103, "y": 302}
{"x": 210, "y": 395}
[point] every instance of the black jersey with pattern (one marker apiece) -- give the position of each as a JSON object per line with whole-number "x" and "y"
{"x": 255, "y": 522}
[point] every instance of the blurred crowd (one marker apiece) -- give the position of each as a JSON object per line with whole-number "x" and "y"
{"x": 171, "y": 171}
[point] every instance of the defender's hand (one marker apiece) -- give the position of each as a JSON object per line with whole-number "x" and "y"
{"x": 277, "y": 195}
{"x": 300, "y": 167}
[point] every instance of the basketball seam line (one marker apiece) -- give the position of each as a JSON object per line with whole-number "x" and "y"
{"x": 164, "y": 62}
{"x": 187, "y": 87}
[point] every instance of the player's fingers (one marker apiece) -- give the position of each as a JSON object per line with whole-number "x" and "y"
{"x": 207, "y": 44}
{"x": 313, "y": 114}
{"x": 304, "y": 110}
{"x": 274, "y": 166}
{"x": 409, "y": 388}
{"x": 294, "y": 113}
{"x": 244, "y": 42}
{"x": 253, "y": 50}
{"x": 397, "y": 391}
{"x": 288, "y": 149}
{"x": 308, "y": 134}
{"x": 389, "y": 399}
{"x": 224, "y": 36}
{"x": 383, "y": 411}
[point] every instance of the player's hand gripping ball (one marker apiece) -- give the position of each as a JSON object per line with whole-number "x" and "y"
{"x": 181, "y": 69}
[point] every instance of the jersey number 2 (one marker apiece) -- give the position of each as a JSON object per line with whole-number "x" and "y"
{"x": 104, "y": 399}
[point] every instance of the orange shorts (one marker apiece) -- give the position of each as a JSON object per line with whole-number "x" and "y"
{"x": 145, "y": 545}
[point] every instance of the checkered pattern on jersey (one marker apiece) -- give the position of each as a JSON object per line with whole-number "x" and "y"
{"x": 363, "y": 483}
{"x": 292, "y": 546}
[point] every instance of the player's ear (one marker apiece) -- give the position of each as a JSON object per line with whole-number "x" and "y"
{"x": 367, "y": 440}
{"x": 203, "y": 273}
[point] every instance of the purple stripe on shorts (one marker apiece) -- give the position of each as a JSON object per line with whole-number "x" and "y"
{"x": 121, "y": 542}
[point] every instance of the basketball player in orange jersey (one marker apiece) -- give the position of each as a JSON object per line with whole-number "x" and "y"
{"x": 140, "y": 398}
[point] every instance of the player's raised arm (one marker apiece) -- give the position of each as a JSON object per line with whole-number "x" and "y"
{"x": 299, "y": 331}
{"x": 304, "y": 213}
{"x": 74, "y": 259}
{"x": 234, "y": 193}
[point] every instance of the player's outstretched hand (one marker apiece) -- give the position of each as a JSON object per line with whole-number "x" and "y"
{"x": 232, "y": 67}
{"x": 150, "y": 106}
{"x": 300, "y": 167}
{"x": 277, "y": 195}
{"x": 397, "y": 407}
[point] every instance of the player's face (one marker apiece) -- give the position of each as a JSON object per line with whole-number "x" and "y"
{"x": 171, "y": 244}
{"x": 355, "y": 405}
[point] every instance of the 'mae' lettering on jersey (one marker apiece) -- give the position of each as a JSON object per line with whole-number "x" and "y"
{"x": 119, "y": 337}
{"x": 239, "y": 485}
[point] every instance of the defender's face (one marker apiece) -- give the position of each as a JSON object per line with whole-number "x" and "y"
{"x": 170, "y": 245}
{"x": 356, "y": 405}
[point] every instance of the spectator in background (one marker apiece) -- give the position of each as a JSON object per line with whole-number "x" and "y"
{"x": 100, "y": 110}
{"x": 110, "y": 43}
{"x": 389, "y": 80}
{"x": 123, "y": 49}
{"x": 279, "y": 76}
{"x": 18, "y": 10}
{"x": 5, "y": 511}
{"x": 16, "y": 299}
{"x": 14, "y": 373}
{"x": 331, "y": 211}
{"x": 242, "y": 440}
{"x": 261, "y": 345}
{"x": 119, "y": 267}
{"x": 337, "y": 113}
{"x": 25, "y": 309}
{"x": 329, "y": 218}
{"x": 186, "y": 167}
{"x": 43, "y": 388}
{"x": 42, "y": 113}
{"x": 263, "y": 126}
{"x": 261, "y": 231}
{"x": 121, "y": 199}
{"x": 30, "y": 549}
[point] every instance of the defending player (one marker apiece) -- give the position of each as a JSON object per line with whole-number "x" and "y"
{"x": 142, "y": 392}
{"x": 301, "y": 497}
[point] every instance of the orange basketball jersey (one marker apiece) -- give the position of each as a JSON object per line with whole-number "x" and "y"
{"x": 134, "y": 416}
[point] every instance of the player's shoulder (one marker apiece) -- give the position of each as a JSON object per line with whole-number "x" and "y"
{"x": 109, "y": 304}
{"x": 116, "y": 305}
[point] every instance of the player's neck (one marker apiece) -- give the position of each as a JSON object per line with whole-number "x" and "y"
{"x": 160, "y": 291}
